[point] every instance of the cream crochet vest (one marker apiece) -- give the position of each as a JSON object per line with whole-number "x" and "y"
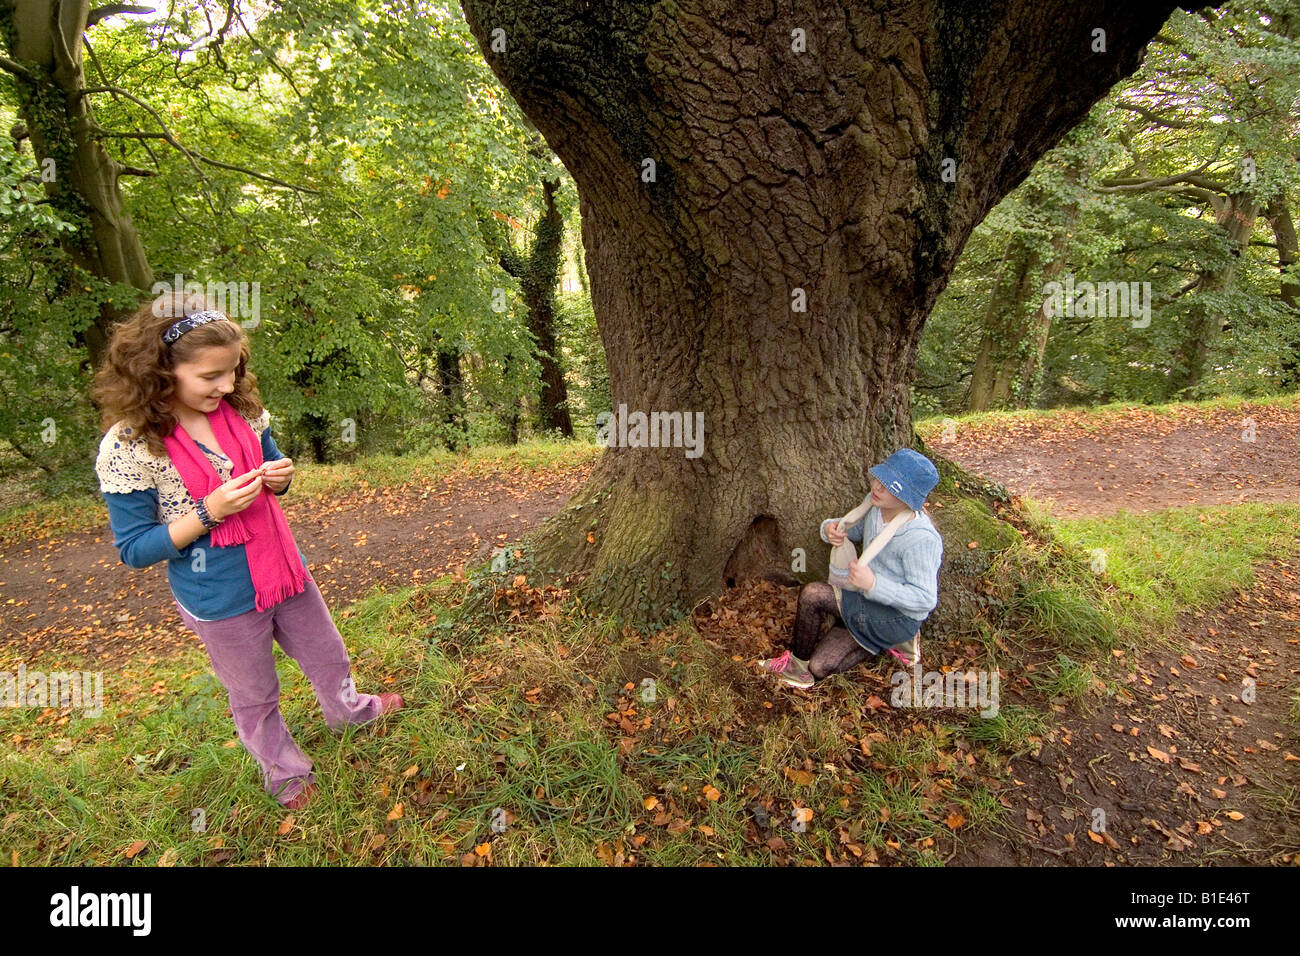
{"x": 125, "y": 464}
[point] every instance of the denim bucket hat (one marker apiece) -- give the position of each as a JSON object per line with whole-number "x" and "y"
{"x": 908, "y": 475}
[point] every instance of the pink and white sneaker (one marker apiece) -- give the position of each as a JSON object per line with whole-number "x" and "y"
{"x": 790, "y": 669}
{"x": 909, "y": 652}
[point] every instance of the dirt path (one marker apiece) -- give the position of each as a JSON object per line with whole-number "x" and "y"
{"x": 1139, "y": 462}
{"x": 73, "y": 593}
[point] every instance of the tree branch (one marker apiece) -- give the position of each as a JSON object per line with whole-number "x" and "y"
{"x": 62, "y": 52}
{"x": 86, "y": 91}
{"x": 16, "y": 68}
{"x": 112, "y": 10}
{"x": 167, "y": 136}
{"x": 101, "y": 133}
{"x": 1165, "y": 300}
{"x": 1152, "y": 117}
{"x": 1131, "y": 184}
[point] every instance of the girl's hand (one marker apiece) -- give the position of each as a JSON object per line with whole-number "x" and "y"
{"x": 235, "y": 495}
{"x": 836, "y": 534}
{"x": 277, "y": 474}
{"x": 861, "y": 576}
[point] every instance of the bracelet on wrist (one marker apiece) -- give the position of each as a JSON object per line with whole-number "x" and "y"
{"x": 208, "y": 521}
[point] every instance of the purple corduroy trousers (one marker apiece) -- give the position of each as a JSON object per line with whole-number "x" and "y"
{"x": 240, "y": 650}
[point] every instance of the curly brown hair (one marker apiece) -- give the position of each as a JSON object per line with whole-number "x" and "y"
{"x": 135, "y": 383}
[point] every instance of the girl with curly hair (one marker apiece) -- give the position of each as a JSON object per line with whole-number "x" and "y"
{"x": 185, "y": 462}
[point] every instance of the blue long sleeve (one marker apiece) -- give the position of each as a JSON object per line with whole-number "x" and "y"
{"x": 906, "y": 570}
{"x": 271, "y": 453}
{"x": 209, "y": 582}
{"x": 140, "y": 538}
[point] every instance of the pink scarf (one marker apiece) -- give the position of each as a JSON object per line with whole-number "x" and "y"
{"x": 273, "y": 560}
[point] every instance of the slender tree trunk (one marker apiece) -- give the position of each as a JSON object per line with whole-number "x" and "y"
{"x": 1040, "y": 327}
{"x": 452, "y": 389}
{"x": 1236, "y": 216}
{"x": 1014, "y": 311}
{"x": 539, "y": 281}
{"x": 45, "y": 40}
{"x": 1003, "y": 328}
{"x": 1279, "y": 218}
{"x": 511, "y": 415}
{"x": 538, "y": 273}
{"x": 772, "y": 199}
{"x": 980, "y": 387}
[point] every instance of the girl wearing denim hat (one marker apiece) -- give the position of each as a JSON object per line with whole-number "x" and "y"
{"x": 880, "y": 604}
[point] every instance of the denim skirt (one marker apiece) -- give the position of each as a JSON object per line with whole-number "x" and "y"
{"x": 875, "y": 626}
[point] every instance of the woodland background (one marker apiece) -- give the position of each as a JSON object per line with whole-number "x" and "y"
{"x": 418, "y": 254}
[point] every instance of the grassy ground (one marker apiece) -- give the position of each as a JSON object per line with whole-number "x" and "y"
{"x": 532, "y": 737}
{"x": 1160, "y": 563}
{"x": 511, "y": 728}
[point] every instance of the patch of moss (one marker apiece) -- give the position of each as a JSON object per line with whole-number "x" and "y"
{"x": 963, "y": 520}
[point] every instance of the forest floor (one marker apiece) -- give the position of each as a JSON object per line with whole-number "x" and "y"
{"x": 1184, "y": 749}
{"x": 1186, "y": 767}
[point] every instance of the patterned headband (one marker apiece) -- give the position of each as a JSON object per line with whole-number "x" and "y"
{"x": 176, "y": 330}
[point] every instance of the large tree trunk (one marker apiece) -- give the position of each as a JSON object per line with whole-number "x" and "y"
{"x": 780, "y": 179}
{"x": 45, "y": 42}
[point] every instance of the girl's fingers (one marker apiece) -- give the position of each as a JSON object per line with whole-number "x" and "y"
{"x": 243, "y": 479}
{"x": 249, "y": 491}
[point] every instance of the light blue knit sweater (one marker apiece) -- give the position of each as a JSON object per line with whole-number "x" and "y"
{"x": 907, "y": 569}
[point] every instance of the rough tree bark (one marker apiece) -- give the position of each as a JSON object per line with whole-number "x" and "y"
{"x": 777, "y": 175}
